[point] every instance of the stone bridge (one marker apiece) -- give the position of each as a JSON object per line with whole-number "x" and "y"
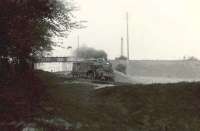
{"x": 55, "y": 59}
{"x": 55, "y": 64}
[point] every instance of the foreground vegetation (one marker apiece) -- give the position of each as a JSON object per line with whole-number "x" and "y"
{"x": 156, "y": 107}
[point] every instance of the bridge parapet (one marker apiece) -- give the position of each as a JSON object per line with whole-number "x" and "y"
{"x": 55, "y": 59}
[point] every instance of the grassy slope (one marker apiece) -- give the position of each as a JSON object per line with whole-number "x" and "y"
{"x": 157, "y": 107}
{"x": 163, "y": 68}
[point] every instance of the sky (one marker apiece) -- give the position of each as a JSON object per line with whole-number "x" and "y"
{"x": 158, "y": 29}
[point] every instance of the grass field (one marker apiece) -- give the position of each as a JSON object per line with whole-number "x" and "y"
{"x": 155, "y": 107}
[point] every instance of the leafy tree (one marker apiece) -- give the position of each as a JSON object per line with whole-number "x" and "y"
{"x": 27, "y": 28}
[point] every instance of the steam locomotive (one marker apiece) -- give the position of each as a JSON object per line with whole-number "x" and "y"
{"x": 94, "y": 69}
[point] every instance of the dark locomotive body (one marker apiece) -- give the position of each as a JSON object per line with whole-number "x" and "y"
{"x": 94, "y": 69}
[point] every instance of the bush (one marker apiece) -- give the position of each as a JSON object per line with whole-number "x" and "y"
{"x": 121, "y": 68}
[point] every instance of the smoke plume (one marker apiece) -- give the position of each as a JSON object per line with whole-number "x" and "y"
{"x": 88, "y": 53}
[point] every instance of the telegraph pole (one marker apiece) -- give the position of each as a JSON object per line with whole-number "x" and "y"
{"x": 80, "y": 26}
{"x": 127, "y": 37}
{"x": 78, "y": 44}
{"x": 122, "y": 46}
